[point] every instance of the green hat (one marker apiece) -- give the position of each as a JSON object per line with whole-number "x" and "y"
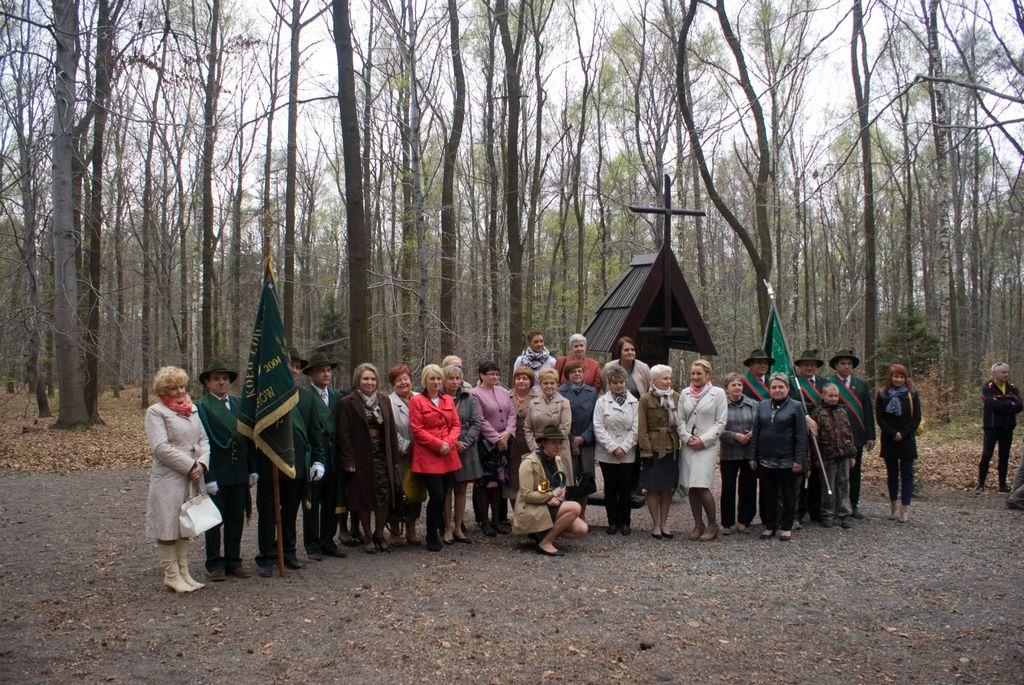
{"x": 810, "y": 356}
{"x": 551, "y": 432}
{"x": 217, "y": 365}
{"x": 759, "y": 355}
{"x": 317, "y": 359}
{"x": 294, "y": 355}
{"x": 844, "y": 354}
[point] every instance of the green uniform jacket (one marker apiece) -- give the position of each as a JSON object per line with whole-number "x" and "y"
{"x": 860, "y": 407}
{"x": 800, "y": 392}
{"x": 306, "y": 434}
{"x": 232, "y": 457}
{"x": 327, "y": 417}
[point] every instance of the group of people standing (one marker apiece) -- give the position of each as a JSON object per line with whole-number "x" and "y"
{"x": 366, "y": 460}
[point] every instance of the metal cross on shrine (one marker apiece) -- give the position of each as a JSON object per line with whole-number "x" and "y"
{"x": 666, "y": 211}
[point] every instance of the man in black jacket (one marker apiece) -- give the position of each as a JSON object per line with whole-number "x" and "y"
{"x": 1000, "y": 405}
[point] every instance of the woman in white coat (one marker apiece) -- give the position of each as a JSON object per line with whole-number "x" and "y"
{"x": 181, "y": 456}
{"x": 702, "y": 414}
{"x": 615, "y": 436}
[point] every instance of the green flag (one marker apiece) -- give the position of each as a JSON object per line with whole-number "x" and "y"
{"x": 775, "y": 345}
{"x": 269, "y": 391}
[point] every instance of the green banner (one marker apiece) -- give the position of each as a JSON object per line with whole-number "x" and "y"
{"x": 775, "y": 345}
{"x": 269, "y": 391}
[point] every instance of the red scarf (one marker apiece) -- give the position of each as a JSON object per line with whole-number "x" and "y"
{"x": 695, "y": 394}
{"x": 182, "y": 408}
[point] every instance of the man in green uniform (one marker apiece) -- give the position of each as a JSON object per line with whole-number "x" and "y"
{"x": 857, "y": 397}
{"x": 232, "y": 471}
{"x": 807, "y": 387}
{"x": 755, "y": 381}
{"x": 309, "y": 462}
{"x": 324, "y": 500}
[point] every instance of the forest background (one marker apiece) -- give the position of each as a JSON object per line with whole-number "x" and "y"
{"x": 440, "y": 177}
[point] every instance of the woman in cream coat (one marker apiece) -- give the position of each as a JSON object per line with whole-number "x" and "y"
{"x": 181, "y": 456}
{"x": 615, "y": 435}
{"x": 702, "y": 413}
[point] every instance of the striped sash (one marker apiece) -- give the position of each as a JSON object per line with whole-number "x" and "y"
{"x": 759, "y": 389}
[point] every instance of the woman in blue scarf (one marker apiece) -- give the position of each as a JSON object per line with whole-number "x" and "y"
{"x": 898, "y": 411}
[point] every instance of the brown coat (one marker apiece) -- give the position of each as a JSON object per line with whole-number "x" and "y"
{"x": 835, "y": 434}
{"x": 532, "y": 513}
{"x": 355, "y": 449}
{"x": 556, "y": 413}
{"x": 654, "y": 433}
{"x": 177, "y": 444}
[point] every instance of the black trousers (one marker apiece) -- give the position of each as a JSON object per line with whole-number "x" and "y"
{"x": 809, "y": 497}
{"x": 618, "y": 490}
{"x": 731, "y": 471}
{"x": 778, "y": 485}
{"x": 438, "y": 486}
{"x": 320, "y": 520}
{"x": 1003, "y": 437}
{"x": 855, "y": 479}
{"x": 291, "y": 499}
{"x": 230, "y": 500}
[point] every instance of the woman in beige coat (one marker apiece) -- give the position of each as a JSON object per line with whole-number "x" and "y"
{"x": 657, "y": 423}
{"x": 541, "y": 507}
{"x": 181, "y": 456}
{"x": 703, "y": 412}
{"x": 549, "y": 409}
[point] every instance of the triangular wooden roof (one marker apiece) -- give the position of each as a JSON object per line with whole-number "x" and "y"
{"x": 634, "y": 307}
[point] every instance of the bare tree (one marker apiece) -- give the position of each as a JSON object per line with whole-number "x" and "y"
{"x": 448, "y": 213}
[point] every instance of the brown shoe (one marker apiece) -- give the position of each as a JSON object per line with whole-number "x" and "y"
{"x": 240, "y": 572}
{"x": 216, "y": 575}
{"x": 710, "y": 534}
{"x": 696, "y": 532}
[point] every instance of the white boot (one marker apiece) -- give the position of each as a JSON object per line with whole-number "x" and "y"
{"x": 181, "y": 549}
{"x": 169, "y": 561}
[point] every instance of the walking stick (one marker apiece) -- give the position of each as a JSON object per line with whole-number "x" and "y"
{"x": 803, "y": 400}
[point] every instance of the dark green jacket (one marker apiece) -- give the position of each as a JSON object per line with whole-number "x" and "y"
{"x": 232, "y": 457}
{"x": 306, "y": 434}
{"x": 327, "y": 417}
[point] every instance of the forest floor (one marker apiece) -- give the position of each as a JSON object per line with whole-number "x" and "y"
{"x": 935, "y": 600}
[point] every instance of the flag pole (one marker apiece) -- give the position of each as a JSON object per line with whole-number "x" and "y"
{"x": 277, "y": 522}
{"x": 792, "y": 370}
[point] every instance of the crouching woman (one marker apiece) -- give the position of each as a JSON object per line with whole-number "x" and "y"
{"x": 541, "y": 510}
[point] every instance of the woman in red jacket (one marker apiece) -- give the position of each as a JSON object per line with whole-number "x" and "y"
{"x": 435, "y": 430}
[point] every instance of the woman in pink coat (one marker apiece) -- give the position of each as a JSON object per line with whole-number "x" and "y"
{"x": 435, "y": 430}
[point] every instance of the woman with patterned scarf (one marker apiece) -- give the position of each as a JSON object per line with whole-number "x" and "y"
{"x": 535, "y": 356}
{"x": 898, "y": 412}
{"x": 659, "y": 448}
{"x": 368, "y": 450}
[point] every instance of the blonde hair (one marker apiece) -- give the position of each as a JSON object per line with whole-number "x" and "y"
{"x": 545, "y": 374}
{"x": 357, "y": 375}
{"x": 702, "y": 363}
{"x": 428, "y": 371}
{"x": 169, "y": 378}
{"x": 451, "y": 359}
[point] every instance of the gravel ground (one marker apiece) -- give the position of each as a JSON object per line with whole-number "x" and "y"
{"x": 936, "y": 600}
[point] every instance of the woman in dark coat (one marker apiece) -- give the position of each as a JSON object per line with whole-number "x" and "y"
{"x": 368, "y": 447}
{"x": 898, "y": 412}
{"x": 582, "y": 400}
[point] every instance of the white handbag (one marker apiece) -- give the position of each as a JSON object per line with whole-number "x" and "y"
{"x": 198, "y": 514}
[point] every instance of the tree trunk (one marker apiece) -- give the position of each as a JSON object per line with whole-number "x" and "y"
{"x": 448, "y": 214}
{"x": 72, "y": 412}
{"x": 358, "y": 240}
{"x": 209, "y": 135}
{"x": 290, "y": 163}
{"x": 862, "y": 93}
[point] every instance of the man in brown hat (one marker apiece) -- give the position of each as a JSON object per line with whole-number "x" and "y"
{"x": 323, "y": 504}
{"x": 755, "y": 381}
{"x": 856, "y": 396}
{"x": 232, "y": 471}
{"x": 807, "y": 386}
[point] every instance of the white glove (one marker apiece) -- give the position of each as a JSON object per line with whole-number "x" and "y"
{"x": 253, "y": 479}
{"x": 211, "y": 488}
{"x": 317, "y": 472}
